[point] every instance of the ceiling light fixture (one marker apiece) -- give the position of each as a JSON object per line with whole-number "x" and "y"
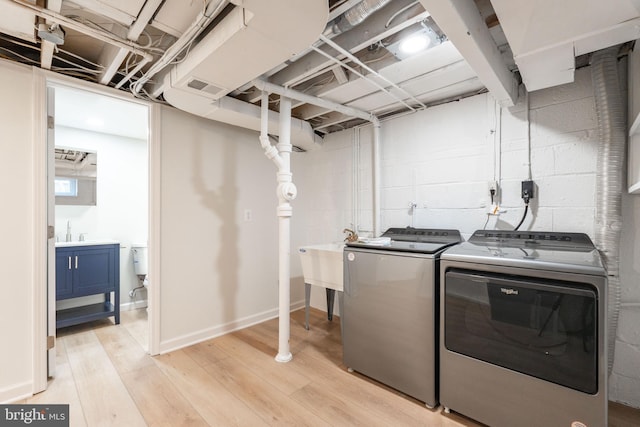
{"x": 414, "y": 43}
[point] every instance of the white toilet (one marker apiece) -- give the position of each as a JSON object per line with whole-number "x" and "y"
{"x": 139, "y": 251}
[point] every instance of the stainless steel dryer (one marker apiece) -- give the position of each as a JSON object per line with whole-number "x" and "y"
{"x": 523, "y": 330}
{"x": 390, "y": 305}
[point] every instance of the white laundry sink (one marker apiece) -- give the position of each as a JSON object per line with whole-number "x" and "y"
{"x": 322, "y": 265}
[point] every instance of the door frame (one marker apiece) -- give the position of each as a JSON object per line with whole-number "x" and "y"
{"x": 42, "y": 79}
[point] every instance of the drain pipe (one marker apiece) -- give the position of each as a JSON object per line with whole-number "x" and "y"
{"x": 609, "y": 180}
{"x": 286, "y": 192}
{"x": 349, "y": 111}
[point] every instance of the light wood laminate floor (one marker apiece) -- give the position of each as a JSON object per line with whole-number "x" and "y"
{"x": 108, "y": 379}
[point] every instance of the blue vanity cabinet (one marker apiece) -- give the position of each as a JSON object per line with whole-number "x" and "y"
{"x": 64, "y": 273}
{"x": 88, "y": 270}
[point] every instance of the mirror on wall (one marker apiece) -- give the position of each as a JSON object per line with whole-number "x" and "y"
{"x": 76, "y": 175}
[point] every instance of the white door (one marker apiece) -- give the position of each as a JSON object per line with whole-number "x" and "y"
{"x": 51, "y": 244}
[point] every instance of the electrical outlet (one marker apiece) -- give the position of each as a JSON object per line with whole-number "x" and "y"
{"x": 492, "y": 187}
{"x": 527, "y": 191}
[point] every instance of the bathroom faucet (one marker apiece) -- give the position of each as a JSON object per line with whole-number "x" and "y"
{"x": 68, "y": 237}
{"x": 351, "y": 236}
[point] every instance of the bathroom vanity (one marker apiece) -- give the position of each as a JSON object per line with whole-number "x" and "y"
{"x": 88, "y": 268}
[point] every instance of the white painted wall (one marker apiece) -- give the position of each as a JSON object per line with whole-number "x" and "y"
{"x": 17, "y": 268}
{"x": 218, "y": 270}
{"x": 121, "y": 212}
{"x": 443, "y": 157}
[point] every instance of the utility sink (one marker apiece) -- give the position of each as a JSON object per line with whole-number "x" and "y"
{"x": 322, "y": 265}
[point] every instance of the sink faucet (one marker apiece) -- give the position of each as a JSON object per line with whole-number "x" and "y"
{"x": 68, "y": 236}
{"x": 351, "y": 235}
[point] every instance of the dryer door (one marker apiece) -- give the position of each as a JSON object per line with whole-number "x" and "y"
{"x": 544, "y": 328}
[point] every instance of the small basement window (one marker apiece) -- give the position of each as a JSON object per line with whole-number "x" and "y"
{"x": 66, "y": 187}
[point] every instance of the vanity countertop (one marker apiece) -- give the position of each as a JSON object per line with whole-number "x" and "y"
{"x": 86, "y": 243}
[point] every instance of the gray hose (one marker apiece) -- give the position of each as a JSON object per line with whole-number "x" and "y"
{"x": 609, "y": 179}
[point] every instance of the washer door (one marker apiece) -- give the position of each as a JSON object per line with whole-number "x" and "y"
{"x": 543, "y": 328}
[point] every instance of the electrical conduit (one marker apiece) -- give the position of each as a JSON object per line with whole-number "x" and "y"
{"x": 611, "y": 159}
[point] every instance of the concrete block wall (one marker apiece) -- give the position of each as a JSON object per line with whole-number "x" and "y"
{"x": 442, "y": 159}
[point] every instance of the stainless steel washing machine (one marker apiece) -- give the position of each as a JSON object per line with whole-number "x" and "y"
{"x": 390, "y": 306}
{"x": 523, "y": 330}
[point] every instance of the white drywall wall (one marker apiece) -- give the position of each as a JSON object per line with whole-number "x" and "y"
{"x": 219, "y": 230}
{"x": 17, "y": 254}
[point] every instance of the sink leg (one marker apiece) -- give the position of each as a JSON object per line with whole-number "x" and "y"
{"x": 330, "y": 298}
{"x": 307, "y": 298}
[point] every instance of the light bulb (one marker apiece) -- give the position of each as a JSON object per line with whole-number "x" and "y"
{"x": 414, "y": 43}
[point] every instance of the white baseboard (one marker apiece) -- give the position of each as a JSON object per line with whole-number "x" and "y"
{"x": 128, "y": 306}
{"x": 16, "y": 392}
{"x": 216, "y": 331}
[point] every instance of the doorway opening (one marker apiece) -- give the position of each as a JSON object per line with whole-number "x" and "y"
{"x": 98, "y": 193}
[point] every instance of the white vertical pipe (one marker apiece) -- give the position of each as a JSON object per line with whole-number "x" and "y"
{"x": 376, "y": 176}
{"x": 286, "y": 192}
{"x": 355, "y": 177}
{"x": 269, "y": 150}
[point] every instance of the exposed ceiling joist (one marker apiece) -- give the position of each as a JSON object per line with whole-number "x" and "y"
{"x": 463, "y": 25}
{"x": 444, "y": 57}
{"x": 116, "y": 56}
{"x": 371, "y": 31}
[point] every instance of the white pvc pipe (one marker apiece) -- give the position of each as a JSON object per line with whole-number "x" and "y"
{"x": 376, "y": 177}
{"x": 269, "y": 150}
{"x": 286, "y": 192}
{"x": 350, "y": 111}
{"x": 309, "y": 99}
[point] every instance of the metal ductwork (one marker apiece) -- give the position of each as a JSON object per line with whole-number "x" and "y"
{"x": 252, "y": 38}
{"x": 611, "y": 162}
{"x": 354, "y": 16}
